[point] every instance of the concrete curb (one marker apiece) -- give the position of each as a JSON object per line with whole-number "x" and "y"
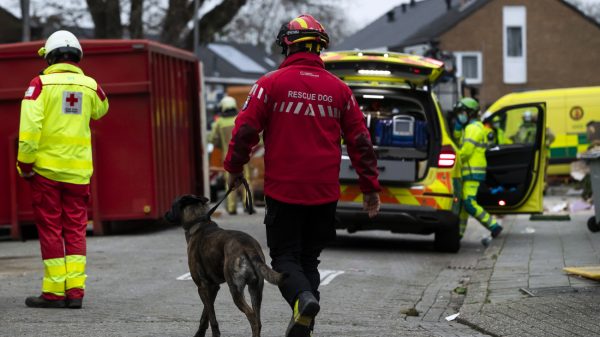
{"x": 477, "y": 289}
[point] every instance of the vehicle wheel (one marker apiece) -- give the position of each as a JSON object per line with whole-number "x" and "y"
{"x": 447, "y": 240}
{"x": 593, "y": 225}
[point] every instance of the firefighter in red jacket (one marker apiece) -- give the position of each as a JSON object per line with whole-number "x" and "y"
{"x": 303, "y": 112}
{"x": 55, "y": 156}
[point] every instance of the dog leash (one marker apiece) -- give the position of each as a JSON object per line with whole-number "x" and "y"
{"x": 248, "y": 204}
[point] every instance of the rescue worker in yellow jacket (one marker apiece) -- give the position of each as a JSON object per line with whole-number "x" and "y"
{"x": 221, "y": 136}
{"x": 55, "y": 156}
{"x": 527, "y": 131}
{"x": 472, "y": 154}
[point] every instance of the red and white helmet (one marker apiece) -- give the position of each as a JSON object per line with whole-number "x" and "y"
{"x": 303, "y": 29}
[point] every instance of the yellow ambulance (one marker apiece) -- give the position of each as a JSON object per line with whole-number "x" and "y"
{"x": 568, "y": 112}
{"x": 419, "y": 169}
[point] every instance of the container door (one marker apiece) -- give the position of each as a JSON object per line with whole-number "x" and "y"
{"x": 516, "y": 160}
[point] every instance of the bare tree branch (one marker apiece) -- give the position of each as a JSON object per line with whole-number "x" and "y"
{"x": 214, "y": 21}
{"x": 176, "y": 19}
{"x": 247, "y": 27}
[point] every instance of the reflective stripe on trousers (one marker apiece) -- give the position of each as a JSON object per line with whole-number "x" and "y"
{"x": 75, "y": 272}
{"x": 55, "y": 273}
{"x": 64, "y": 274}
{"x": 471, "y": 207}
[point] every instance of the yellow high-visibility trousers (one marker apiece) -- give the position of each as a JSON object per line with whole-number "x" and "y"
{"x": 471, "y": 207}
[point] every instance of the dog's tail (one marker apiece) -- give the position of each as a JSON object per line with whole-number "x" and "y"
{"x": 265, "y": 271}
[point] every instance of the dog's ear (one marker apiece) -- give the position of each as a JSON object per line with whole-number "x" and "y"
{"x": 170, "y": 217}
{"x": 191, "y": 199}
{"x": 174, "y": 214}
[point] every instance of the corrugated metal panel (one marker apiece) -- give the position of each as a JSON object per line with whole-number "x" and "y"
{"x": 147, "y": 149}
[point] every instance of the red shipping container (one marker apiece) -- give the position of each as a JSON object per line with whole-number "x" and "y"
{"x": 148, "y": 149}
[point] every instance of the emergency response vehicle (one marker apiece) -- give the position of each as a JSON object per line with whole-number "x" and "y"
{"x": 420, "y": 171}
{"x": 569, "y": 112}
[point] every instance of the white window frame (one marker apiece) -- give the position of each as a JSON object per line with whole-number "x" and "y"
{"x": 515, "y": 67}
{"x": 458, "y": 55}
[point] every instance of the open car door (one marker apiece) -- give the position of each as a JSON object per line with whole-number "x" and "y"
{"x": 516, "y": 160}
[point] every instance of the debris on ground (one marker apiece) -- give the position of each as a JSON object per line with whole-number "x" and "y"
{"x": 579, "y": 205}
{"x": 452, "y": 317}
{"x": 528, "y": 230}
{"x": 410, "y": 312}
{"x": 579, "y": 169}
{"x": 527, "y": 292}
{"x": 558, "y": 208}
{"x": 591, "y": 272}
{"x": 460, "y": 290}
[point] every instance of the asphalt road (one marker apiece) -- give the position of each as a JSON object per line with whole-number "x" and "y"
{"x": 369, "y": 281}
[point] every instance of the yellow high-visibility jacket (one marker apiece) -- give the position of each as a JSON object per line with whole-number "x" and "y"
{"x": 221, "y": 132}
{"x": 54, "y": 132}
{"x": 472, "y": 152}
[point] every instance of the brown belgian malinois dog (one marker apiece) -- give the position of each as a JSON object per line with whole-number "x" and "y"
{"x": 215, "y": 256}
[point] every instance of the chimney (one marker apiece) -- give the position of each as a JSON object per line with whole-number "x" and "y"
{"x": 403, "y": 6}
{"x": 391, "y": 16}
{"x": 448, "y": 4}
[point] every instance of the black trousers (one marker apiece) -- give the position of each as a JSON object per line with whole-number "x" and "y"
{"x": 296, "y": 235}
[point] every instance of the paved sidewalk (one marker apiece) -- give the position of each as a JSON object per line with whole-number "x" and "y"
{"x": 520, "y": 289}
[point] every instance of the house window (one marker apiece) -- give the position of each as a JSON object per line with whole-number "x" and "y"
{"x": 469, "y": 66}
{"x": 514, "y": 41}
{"x": 514, "y": 35}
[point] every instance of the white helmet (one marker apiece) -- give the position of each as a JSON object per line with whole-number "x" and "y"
{"x": 61, "y": 41}
{"x": 486, "y": 115}
{"x": 228, "y": 103}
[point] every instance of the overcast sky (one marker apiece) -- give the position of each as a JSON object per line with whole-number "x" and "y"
{"x": 361, "y": 12}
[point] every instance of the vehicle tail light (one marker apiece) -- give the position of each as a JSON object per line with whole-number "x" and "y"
{"x": 447, "y": 157}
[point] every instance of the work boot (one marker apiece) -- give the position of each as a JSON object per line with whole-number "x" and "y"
{"x": 41, "y": 302}
{"x": 496, "y": 230}
{"x": 74, "y": 303}
{"x": 305, "y": 310}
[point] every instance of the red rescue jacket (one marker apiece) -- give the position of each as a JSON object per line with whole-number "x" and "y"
{"x": 304, "y": 112}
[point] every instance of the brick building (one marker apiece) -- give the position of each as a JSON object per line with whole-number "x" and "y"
{"x": 503, "y": 46}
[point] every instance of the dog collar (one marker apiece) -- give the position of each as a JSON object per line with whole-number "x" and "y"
{"x": 198, "y": 225}
{"x": 194, "y": 228}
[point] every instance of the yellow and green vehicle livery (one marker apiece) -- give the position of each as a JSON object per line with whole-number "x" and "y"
{"x": 569, "y": 110}
{"x": 419, "y": 170}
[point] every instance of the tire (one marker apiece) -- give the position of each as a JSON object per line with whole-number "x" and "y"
{"x": 593, "y": 225}
{"x": 447, "y": 240}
